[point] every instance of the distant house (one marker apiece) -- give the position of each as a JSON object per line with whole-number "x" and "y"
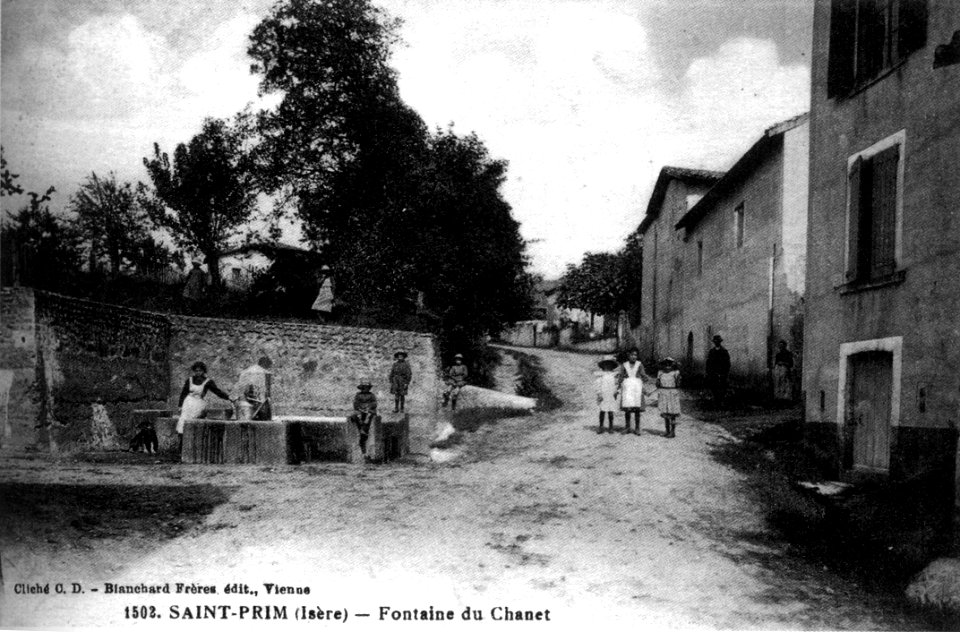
{"x": 882, "y": 331}
{"x": 676, "y": 191}
{"x": 742, "y": 261}
{"x": 240, "y": 266}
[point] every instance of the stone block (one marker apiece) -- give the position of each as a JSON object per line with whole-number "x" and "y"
{"x": 223, "y": 442}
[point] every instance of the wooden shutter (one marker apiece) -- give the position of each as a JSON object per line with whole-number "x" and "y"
{"x": 912, "y": 26}
{"x": 853, "y": 220}
{"x": 871, "y": 38}
{"x": 883, "y": 216}
{"x": 843, "y": 25}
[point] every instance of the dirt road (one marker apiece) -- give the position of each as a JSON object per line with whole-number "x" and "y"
{"x": 538, "y": 513}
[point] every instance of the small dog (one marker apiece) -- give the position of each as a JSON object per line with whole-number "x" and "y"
{"x": 145, "y": 439}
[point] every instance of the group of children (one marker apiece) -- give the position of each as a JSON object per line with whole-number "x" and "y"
{"x": 621, "y": 386}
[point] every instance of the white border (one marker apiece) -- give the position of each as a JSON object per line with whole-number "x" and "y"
{"x": 898, "y": 138}
{"x": 893, "y": 345}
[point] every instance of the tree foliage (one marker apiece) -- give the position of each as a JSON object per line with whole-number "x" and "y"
{"x": 46, "y": 247}
{"x": 207, "y": 193}
{"x": 8, "y": 179}
{"x": 111, "y": 219}
{"x": 596, "y": 285}
{"x": 396, "y": 210}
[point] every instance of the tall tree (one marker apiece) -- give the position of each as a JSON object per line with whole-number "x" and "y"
{"x": 111, "y": 219}
{"x": 341, "y": 144}
{"x": 207, "y": 193}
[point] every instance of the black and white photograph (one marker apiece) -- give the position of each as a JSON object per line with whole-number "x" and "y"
{"x": 480, "y": 314}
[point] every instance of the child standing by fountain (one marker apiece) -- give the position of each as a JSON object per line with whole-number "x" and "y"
{"x": 400, "y": 376}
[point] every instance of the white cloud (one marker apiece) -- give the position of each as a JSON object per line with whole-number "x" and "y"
{"x": 730, "y": 97}
{"x": 569, "y": 92}
{"x": 113, "y": 90}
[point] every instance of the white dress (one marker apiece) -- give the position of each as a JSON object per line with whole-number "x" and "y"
{"x": 631, "y": 388}
{"x": 607, "y": 391}
{"x": 193, "y": 404}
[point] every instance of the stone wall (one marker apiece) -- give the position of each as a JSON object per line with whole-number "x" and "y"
{"x": 98, "y": 363}
{"x": 72, "y": 371}
{"x": 315, "y": 368}
{"x": 19, "y": 392}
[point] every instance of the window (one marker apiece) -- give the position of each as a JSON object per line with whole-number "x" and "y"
{"x": 874, "y": 201}
{"x": 236, "y": 275}
{"x": 868, "y": 37}
{"x": 738, "y": 223}
{"x": 700, "y": 258}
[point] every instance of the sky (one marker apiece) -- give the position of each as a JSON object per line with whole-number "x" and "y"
{"x": 586, "y": 99}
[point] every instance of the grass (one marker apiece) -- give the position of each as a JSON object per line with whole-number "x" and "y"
{"x": 879, "y": 536}
{"x": 531, "y": 382}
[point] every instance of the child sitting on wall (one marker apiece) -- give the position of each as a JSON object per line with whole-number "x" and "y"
{"x": 364, "y": 412}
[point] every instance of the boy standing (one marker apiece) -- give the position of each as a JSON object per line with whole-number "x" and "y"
{"x": 400, "y": 376}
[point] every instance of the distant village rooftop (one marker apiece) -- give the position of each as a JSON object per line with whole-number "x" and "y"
{"x": 771, "y": 139}
{"x": 696, "y": 176}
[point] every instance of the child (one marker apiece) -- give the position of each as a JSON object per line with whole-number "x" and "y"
{"x": 364, "y": 410}
{"x": 400, "y": 376}
{"x": 668, "y": 379}
{"x": 631, "y": 389}
{"x": 456, "y": 379}
{"x": 607, "y": 391}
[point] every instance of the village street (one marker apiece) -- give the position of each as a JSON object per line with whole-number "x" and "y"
{"x": 536, "y": 513}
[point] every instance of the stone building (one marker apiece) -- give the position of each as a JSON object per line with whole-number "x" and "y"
{"x": 742, "y": 257}
{"x": 675, "y": 192}
{"x": 882, "y": 331}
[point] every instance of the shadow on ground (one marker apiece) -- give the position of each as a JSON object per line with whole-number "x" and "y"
{"x": 54, "y": 514}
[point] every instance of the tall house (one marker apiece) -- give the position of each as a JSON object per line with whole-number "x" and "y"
{"x": 882, "y": 331}
{"x": 743, "y": 260}
{"x": 674, "y": 193}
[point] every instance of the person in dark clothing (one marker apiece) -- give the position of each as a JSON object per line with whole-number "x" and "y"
{"x": 400, "y": 377}
{"x": 364, "y": 411}
{"x": 718, "y": 368}
{"x": 783, "y": 373}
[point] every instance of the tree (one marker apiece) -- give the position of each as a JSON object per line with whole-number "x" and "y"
{"x": 398, "y": 211}
{"x": 46, "y": 247}
{"x": 470, "y": 257}
{"x": 207, "y": 193}
{"x": 329, "y": 60}
{"x": 8, "y": 179}
{"x": 596, "y": 285}
{"x": 342, "y": 145}
{"x": 111, "y": 218}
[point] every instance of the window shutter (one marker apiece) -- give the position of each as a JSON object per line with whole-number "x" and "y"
{"x": 871, "y": 34}
{"x": 843, "y": 25}
{"x": 912, "y": 27}
{"x": 853, "y": 220}
{"x": 884, "y": 211}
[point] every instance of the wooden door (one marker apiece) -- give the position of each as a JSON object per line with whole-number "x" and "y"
{"x": 869, "y": 408}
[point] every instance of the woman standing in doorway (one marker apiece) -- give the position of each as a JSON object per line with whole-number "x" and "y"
{"x": 192, "y": 402}
{"x": 631, "y": 389}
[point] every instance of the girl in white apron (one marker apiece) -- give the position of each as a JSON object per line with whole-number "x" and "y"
{"x": 192, "y": 404}
{"x": 631, "y": 389}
